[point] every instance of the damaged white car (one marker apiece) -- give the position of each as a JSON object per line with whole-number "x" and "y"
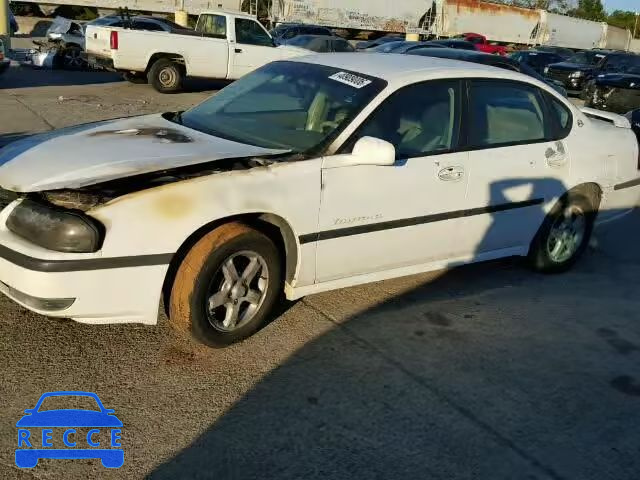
{"x": 305, "y": 176}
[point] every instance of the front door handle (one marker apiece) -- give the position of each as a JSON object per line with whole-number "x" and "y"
{"x": 238, "y": 50}
{"x": 451, "y": 174}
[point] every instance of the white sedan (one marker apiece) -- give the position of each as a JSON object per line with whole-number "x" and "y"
{"x": 307, "y": 175}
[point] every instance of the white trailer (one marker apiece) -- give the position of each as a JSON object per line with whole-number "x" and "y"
{"x": 616, "y": 38}
{"x": 374, "y": 15}
{"x": 568, "y": 32}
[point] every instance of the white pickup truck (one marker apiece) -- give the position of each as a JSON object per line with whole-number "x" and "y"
{"x": 223, "y": 46}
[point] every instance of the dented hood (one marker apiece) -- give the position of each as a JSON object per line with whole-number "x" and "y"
{"x": 93, "y": 153}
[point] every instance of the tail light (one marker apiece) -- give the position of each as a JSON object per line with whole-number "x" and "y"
{"x": 113, "y": 40}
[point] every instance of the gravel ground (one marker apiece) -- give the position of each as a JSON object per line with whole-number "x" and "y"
{"x": 485, "y": 372}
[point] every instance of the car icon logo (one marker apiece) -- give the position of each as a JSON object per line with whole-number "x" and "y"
{"x": 69, "y": 432}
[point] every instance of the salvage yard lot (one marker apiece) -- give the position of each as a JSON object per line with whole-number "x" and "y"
{"x": 488, "y": 371}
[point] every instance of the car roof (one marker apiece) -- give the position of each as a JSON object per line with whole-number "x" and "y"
{"x": 325, "y": 37}
{"x": 229, "y": 12}
{"x": 396, "y": 67}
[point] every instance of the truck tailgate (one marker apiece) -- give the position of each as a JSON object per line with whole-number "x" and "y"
{"x": 98, "y": 41}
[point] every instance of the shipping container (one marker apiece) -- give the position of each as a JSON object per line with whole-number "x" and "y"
{"x": 569, "y": 32}
{"x": 500, "y": 23}
{"x": 374, "y": 15}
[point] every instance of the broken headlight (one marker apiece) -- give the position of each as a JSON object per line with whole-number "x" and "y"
{"x": 55, "y": 229}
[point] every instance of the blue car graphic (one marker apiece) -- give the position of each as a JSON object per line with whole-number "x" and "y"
{"x": 69, "y": 418}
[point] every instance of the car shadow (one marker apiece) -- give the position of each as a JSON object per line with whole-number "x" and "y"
{"x": 479, "y": 372}
{"x": 17, "y": 77}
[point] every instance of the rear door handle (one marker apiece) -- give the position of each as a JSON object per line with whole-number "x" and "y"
{"x": 451, "y": 174}
{"x": 238, "y": 50}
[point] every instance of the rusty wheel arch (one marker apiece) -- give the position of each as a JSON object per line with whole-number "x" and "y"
{"x": 274, "y": 226}
{"x": 179, "y": 59}
{"x": 592, "y": 191}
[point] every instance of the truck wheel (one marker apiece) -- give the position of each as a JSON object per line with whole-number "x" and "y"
{"x": 226, "y": 286}
{"x": 137, "y": 78}
{"x": 564, "y": 234}
{"x": 166, "y": 76}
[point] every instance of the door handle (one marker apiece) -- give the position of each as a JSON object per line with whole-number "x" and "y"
{"x": 451, "y": 174}
{"x": 238, "y": 50}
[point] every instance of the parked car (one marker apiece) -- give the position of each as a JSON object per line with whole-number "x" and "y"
{"x": 535, "y": 59}
{"x": 487, "y": 59}
{"x": 287, "y": 31}
{"x": 224, "y": 46}
{"x": 481, "y": 44}
{"x": 616, "y": 92}
{"x": 388, "y": 158}
{"x": 320, "y": 43}
{"x": 565, "y": 53}
{"x": 574, "y": 71}
{"x": 4, "y": 62}
{"x": 634, "y": 117}
{"x": 452, "y": 43}
{"x": 365, "y": 45}
{"x": 401, "y": 46}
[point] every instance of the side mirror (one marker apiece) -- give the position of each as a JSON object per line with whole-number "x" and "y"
{"x": 366, "y": 151}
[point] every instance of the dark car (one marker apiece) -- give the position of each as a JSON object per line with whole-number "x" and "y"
{"x": 321, "y": 43}
{"x": 400, "y": 46}
{"x": 536, "y": 59}
{"x": 617, "y": 88}
{"x": 574, "y": 71}
{"x": 486, "y": 59}
{"x": 4, "y": 62}
{"x": 452, "y": 43}
{"x": 286, "y": 31}
{"x": 379, "y": 41}
{"x": 564, "y": 53}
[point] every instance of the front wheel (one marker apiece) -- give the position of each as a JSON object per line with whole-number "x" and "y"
{"x": 226, "y": 286}
{"x": 166, "y": 76}
{"x": 565, "y": 233}
{"x": 72, "y": 58}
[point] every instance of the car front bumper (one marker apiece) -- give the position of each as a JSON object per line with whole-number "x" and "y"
{"x": 99, "y": 63}
{"x": 88, "y": 288}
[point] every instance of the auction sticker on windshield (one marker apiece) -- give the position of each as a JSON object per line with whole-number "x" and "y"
{"x": 69, "y": 425}
{"x": 350, "y": 79}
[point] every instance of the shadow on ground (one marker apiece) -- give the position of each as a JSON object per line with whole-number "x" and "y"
{"x": 483, "y": 372}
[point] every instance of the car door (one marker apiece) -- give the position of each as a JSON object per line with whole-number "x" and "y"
{"x": 250, "y": 48}
{"x": 518, "y": 162}
{"x": 376, "y": 218}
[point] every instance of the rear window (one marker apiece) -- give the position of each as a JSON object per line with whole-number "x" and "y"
{"x": 561, "y": 116}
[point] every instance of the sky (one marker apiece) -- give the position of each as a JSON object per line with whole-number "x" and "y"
{"x": 632, "y": 5}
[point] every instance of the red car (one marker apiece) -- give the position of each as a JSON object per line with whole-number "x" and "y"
{"x": 482, "y": 45}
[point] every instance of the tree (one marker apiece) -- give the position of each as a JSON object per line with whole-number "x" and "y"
{"x": 590, "y": 10}
{"x": 622, "y": 19}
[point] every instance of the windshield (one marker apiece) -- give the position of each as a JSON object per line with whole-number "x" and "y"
{"x": 69, "y": 402}
{"x": 291, "y": 105}
{"x": 623, "y": 64}
{"x": 586, "y": 58}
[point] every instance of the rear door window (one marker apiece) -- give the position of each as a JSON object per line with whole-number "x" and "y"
{"x": 212, "y": 25}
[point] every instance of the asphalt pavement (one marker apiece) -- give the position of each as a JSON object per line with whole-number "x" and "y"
{"x": 485, "y": 372}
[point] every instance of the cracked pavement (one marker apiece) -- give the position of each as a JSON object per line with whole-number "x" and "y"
{"x": 485, "y": 372}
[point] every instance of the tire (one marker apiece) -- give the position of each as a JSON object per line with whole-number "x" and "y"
{"x": 71, "y": 59}
{"x": 557, "y": 245}
{"x": 166, "y": 76}
{"x": 203, "y": 294}
{"x": 137, "y": 78}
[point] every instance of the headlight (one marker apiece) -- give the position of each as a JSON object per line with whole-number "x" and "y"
{"x": 576, "y": 74}
{"x": 55, "y": 229}
{"x": 546, "y": 70}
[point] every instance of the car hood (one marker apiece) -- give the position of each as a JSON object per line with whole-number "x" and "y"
{"x": 69, "y": 418}
{"x": 619, "y": 80}
{"x": 568, "y": 66}
{"x": 93, "y": 153}
{"x": 289, "y": 51}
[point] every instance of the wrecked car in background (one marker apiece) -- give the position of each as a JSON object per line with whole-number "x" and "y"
{"x": 274, "y": 184}
{"x": 61, "y": 48}
{"x": 618, "y": 88}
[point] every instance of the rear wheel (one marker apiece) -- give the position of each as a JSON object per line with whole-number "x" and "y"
{"x": 166, "y": 76}
{"x": 565, "y": 233}
{"x": 226, "y": 286}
